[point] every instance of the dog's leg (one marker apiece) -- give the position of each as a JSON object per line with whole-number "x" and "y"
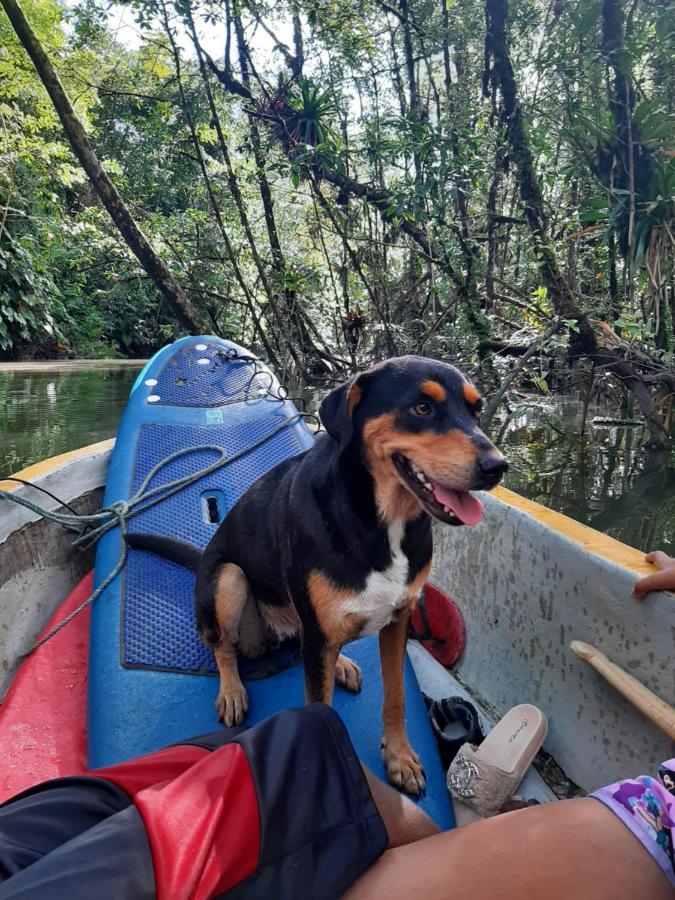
{"x": 402, "y": 763}
{"x": 324, "y": 667}
{"x": 231, "y": 598}
{"x": 252, "y": 639}
{"x": 348, "y": 674}
{"x": 320, "y": 663}
{"x": 325, "y": 631}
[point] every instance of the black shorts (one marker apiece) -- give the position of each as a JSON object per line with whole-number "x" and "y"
{"x": 280, "y": 810}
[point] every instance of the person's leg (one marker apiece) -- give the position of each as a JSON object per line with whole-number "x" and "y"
{"x": 111, "y": 859}
{"x": 39, "y": 820}
{"x": 568, "y": 850}
{"x": 404, "y": 820}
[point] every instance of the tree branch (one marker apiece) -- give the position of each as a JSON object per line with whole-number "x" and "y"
{"x": 496, "y": 398}
{"x": 106, "y": 190}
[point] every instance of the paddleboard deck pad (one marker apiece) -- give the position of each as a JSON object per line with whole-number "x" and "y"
{"x": 149, "y": 682}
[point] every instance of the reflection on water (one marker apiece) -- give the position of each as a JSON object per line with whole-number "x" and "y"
{"x": 604, "y": 479}
{"x": 45, "y": 413}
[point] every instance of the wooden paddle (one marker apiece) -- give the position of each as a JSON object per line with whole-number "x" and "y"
{"x": 657, "y": 710}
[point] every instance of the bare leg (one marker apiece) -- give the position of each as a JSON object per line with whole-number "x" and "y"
{"x": 570, "y": 850}
{"x": 404, "y": 820}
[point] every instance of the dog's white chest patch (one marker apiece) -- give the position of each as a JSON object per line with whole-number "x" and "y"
{"x": 385, "y": 592}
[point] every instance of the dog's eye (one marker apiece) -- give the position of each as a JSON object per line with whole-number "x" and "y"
{"x": 423, "y": 408}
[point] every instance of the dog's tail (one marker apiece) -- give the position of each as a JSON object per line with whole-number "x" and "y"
{"x": 180, "y": 552}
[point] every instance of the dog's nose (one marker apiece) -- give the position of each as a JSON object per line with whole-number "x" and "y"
{"x": 491, "y": 468}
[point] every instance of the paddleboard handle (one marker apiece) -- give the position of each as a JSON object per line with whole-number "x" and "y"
{"x": 653, "y": 707}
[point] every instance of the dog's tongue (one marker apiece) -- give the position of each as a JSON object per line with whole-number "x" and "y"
{"x": 464, "y": 505}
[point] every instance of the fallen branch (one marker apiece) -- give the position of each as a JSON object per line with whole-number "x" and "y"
{"x": 496, "y": 398}
{"x": 494, "y": 345}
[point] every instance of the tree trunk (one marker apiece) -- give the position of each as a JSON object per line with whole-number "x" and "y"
{"x": 325, "y": 206}
{"x": 583, "y": 340}
{"x": 614, "y": 310}
{"x": 301, "y": 346}
{"x": 530, "y": 194}
{"x": 229, "y": 247}
{"x": 156, "y": 268}
{"x": 621, "y": 103}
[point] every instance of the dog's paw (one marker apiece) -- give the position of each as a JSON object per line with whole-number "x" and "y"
{"x": 232, "y": 705}
{"x": 348, "y": 674}
{"x": 404, "y": 769}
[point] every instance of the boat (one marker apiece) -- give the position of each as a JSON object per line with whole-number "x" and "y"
{"x": 528, "y": 580}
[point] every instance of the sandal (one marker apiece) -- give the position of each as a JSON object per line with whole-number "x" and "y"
{"x": 484, "y": 778}
{"x": 438, "y": 625}
{"x": 454, "y": 722}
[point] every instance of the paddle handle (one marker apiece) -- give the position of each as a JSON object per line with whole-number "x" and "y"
{"x": 657, "y": 710}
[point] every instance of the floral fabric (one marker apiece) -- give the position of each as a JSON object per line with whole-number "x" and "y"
{"x": 647, "y": 806}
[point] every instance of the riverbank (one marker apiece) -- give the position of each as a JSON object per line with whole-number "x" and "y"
{"x": 70, "y": 365}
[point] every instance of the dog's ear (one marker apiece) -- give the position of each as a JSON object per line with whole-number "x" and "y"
{"x": 337, "y": 408}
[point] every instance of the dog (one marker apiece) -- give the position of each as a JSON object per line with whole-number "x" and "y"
{"x": 336, "y": 543}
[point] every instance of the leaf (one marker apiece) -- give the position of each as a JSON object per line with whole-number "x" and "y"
{"x": 589, "y": 18}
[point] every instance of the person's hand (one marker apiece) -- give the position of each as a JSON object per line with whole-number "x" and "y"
{"x": 664, "y": 580}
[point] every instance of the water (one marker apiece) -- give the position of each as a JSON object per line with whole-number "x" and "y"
{"x": 605, "y": 480}
{"x": 46, "y": 413}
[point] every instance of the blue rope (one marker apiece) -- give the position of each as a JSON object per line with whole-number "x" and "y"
{"x": 94, "y": 526}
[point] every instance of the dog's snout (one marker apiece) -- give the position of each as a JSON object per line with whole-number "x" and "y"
{"x": 491, "y": 468}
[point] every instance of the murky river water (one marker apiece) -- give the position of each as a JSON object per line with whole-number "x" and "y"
{"x": 45, "y": 413}
{"x": 605, "y": 479}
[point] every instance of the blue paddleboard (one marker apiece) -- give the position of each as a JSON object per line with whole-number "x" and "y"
{"x": 151, "y": 680}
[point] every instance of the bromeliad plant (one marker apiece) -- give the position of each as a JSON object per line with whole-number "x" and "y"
{"x": 308, "y": 114}
{"x": 300, "y": 115}
{"x": 654, "y": 248}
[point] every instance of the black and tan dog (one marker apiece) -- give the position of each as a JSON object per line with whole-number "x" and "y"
{"x": 336, "y": 543}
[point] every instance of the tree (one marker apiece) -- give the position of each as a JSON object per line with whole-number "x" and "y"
{"x": 585, "y": 340}
{"x": 333, "y": 183}
{"x": 110, "y": 197}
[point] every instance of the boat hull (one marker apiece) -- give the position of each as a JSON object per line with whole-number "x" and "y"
{"x": 528, "y": 581}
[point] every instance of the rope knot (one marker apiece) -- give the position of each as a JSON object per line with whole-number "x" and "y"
{"x": 120, "y": 509}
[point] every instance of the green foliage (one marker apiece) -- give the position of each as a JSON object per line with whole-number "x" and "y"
{"x": 28, "y": 297}
{"x": 658, "y": 211}
{"x": 430, "y": 162}
{"x": 310, "y": 111}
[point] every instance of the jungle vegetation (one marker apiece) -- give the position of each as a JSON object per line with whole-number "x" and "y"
{"x": 330, "y": 182}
